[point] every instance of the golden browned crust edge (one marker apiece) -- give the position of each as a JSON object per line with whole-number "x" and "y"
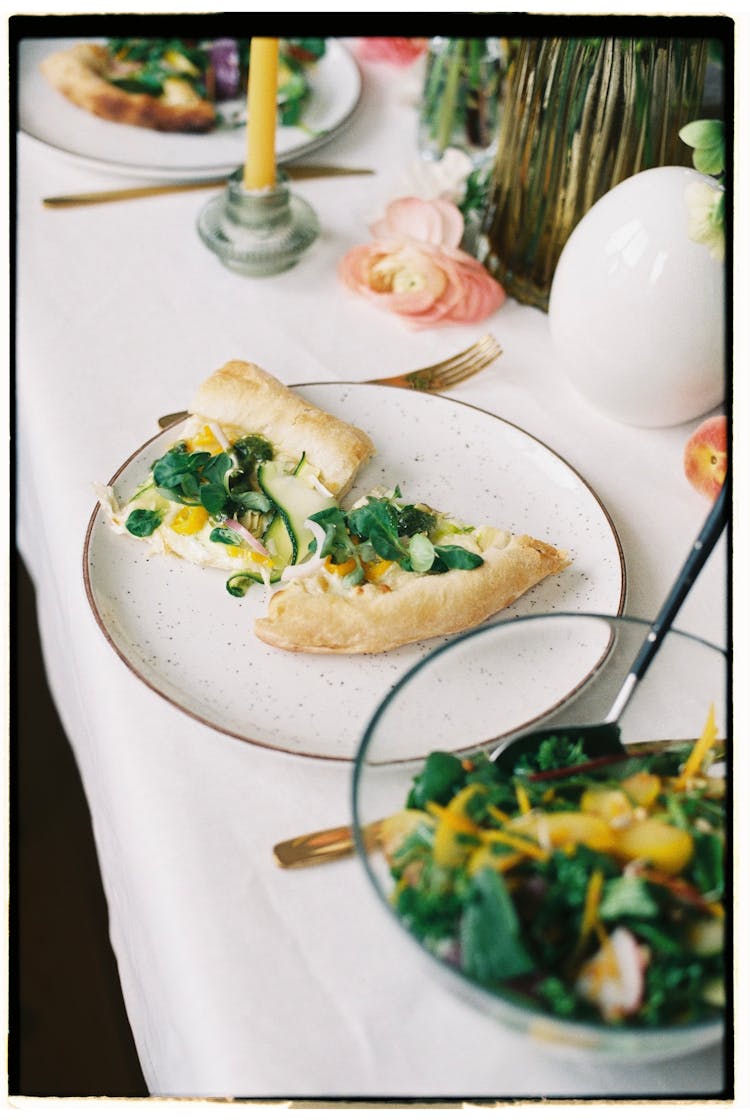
{"x": 78, "y": 73}
{"x": 243, "y": 394}
{"x": 371, "y": 620}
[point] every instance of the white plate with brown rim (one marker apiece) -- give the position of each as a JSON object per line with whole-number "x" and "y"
{"x": 186, "y": 638}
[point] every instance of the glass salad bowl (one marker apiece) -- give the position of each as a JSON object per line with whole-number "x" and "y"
{"x": 577, "y": 900}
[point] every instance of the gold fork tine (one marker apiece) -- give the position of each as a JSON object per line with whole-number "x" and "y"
{"x": 429, "y": 379}
{"x": 453, "y": 375}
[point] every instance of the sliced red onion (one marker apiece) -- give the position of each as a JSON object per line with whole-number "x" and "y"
{"x": 225, "y": 59}
{"x": 247, "y": 536}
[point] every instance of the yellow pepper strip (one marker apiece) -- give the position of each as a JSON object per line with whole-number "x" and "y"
{"x": 483, "y": 857}
{"x": 497, "y": 814}
{"x": 699, "y": 751}
{"x": 189, "y": 520}
{"x": 458, "y": 803}
{"x": 342, "y": 569}
{"x": 500, "y": 836}
{"x": 375, "y": 569}
{"x": 522, "y": 798}
{"x": 204, "y": 440}
{"x": 256, "y": 557}
{"x": 455, "y": 839}
{"x": 178, "y": 61}
{"x": 591, "y": 905}
{"x": 456, "y": 833}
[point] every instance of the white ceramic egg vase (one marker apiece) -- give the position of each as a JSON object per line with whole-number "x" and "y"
{"x": 637, "y": 308}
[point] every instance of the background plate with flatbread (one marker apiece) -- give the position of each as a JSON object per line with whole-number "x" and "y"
{"x": 50, "y": 118}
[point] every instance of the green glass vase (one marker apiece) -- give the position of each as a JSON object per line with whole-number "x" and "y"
{"x": 580, "y": 116}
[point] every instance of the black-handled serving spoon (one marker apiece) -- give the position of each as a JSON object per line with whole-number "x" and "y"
{"x": 603, "y": 739}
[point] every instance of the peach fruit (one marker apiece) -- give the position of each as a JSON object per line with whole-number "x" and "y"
{"x": 705, "y": 458}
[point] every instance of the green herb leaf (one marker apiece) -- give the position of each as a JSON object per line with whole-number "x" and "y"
{"x": 213, "y": 498}
{"x": 708, "y": 863}
{"x": 413, "y": 519}
{"x": 251, "y": 450}
{"x": 222, "y": 535}
{"x": 377, "y": 521}
{"x": 454, "y": 556}
{"x": 143, "y": 522}
{"x": 627, "y": 896}
{"x": 441, "y": 776}
{"x": 706, "y": 137}
{"x": 558, "y": 995}
{"x": 193, "y": 478}
{"x": 215, "y": 469}
{"x": 553, "y": 753}
{"x": 337, "y": 543}
{"x": 491, "y": 946}
{"x": 251, "y": 500}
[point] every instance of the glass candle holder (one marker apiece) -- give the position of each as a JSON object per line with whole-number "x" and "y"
{"x": 258, "y": 233}
{"x": 461, "y": 100}
{"x": 580, "y": 116}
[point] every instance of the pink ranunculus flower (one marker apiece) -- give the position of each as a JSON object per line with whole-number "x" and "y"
{"x": 435, "y": 220}
{"x": 398, "y": 51}
{"x": 416, "y": 269}
{"x": 421, "y": 282}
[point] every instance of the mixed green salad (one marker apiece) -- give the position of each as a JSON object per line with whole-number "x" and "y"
{"x": 586, "y": 888}
{"x": 213, "y": 70}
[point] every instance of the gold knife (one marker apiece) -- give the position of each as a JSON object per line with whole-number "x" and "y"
{"x": 296, "y": 173}
{"x": 324, "y": 845}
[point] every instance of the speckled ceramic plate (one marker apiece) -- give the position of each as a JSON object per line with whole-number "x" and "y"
{"x": 177, "y": 628}
{"x": 47, "y": 116}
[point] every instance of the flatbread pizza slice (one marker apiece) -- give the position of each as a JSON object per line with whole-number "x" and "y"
{"x": 177, "y": 85}
{"x": 248, "y": 468}
{"x": 95, "y": 79}
{"x": 388, "y": 573}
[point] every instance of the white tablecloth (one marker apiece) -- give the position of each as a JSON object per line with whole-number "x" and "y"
{"x": 241, "y": 979}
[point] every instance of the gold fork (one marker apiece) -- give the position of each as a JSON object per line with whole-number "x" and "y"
{"x": 429, "y": 379}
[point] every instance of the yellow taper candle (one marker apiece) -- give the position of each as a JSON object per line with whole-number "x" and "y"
{"x": 260, "y": 165}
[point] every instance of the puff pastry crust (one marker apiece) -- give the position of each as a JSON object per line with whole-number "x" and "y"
{"x": 310, "y": 616}
{"x": 243, "y": 394}
{"x": 80, "y": 74}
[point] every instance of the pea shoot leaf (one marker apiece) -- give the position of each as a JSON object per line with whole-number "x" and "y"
{"x": 143, "y": 522}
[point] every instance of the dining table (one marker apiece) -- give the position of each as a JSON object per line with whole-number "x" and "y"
{"x": 243, "y": 979}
